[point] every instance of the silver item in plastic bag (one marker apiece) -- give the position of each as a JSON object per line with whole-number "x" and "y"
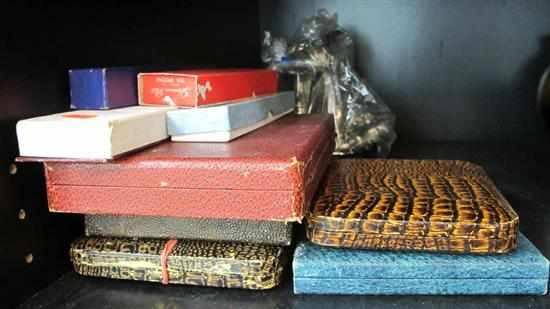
{"x": 320, "y": 55}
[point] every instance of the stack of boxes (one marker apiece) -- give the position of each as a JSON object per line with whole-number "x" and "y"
{"x": 425, "y": 227}
{"x": 215, "y": 205}
{"x": 210, "y": 212}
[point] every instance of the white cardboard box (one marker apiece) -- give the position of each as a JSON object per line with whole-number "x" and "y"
{"x": 87, "y": 134}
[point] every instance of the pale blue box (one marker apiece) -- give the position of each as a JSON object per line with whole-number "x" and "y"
{"x": 230, "y": 116}
{"x": 325, "y": 270}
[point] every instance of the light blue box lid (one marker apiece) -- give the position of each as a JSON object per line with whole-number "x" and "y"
{"x": 313, "y": 261}
{"x": 230, "y": 116}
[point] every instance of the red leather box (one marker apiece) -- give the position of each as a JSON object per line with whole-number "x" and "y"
{"x": 194, "y": 88}
{"x": 269, "y": 174}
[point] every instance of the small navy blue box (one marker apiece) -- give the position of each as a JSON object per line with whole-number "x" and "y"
{"x": 103, "y": 88}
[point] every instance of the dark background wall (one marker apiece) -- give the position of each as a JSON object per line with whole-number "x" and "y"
{"x": 38, "y": 44}
{"x": 451, "y": 70}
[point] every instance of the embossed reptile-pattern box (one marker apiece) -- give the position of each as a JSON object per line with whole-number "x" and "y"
{"x": 325, "y": 270}
{"x": 269, "y": 174}
{"x": 193, "y": 262}
{"x": 424, "y": 205}
{"x": 266, "y": 232}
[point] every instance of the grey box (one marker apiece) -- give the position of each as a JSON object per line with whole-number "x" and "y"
{"x": 266, "y": 232}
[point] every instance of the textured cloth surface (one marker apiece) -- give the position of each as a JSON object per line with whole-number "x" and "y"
{"x": 325, "y": 270}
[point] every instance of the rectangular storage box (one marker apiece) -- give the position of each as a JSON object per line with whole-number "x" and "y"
{"x": 92, "y": 135}
{"x": 270, "y": 174}
{"x": 193, "y": 88}
{"x": 324, "y": 270}
{"x": 103, "y": 88}
{"x": 266, "y": 232}
{"x": 224, "y": 122}
{"x": 193, "y": 262}
{"x": 423, "y": 205}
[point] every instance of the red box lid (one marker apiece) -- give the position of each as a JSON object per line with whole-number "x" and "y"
{"x": 269, "y": 174}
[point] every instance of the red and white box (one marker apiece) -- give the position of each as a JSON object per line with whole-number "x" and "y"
{"x": 194, "y": 88}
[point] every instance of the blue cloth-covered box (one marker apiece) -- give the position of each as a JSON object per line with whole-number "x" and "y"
{"x": 103, "y": 88}
{"x": 325, "y": 270}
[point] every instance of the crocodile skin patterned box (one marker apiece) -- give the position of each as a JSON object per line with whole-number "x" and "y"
{"x": 424, "y": 205}
{"x": 266, "y": 232}
{"x": 193, "y": 262}
{"x": 270, "y": 174}
{"x": 324, "y": 270}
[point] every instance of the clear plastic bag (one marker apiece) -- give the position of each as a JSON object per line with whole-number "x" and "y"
{"x": 320, "y": 55}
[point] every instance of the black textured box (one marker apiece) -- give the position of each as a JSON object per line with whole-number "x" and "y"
{"x": 266, "y": 232}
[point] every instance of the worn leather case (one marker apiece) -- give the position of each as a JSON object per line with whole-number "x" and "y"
{"x": 325, "y": 270}
{"x": 266, "y": 232}
{"x": 193, "y": 262}
{"x": 269, "y": 174}
{"x": 425, "y": 205}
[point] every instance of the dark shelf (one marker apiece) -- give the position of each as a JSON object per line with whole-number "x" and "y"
{"x": 518, "y": 170}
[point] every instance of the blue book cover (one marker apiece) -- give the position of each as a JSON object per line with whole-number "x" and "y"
{"x": 326, "y": 270}
{"x": 103, "y": 88}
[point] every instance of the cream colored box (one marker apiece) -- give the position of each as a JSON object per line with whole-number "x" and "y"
{"x": 87, "y": 134}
